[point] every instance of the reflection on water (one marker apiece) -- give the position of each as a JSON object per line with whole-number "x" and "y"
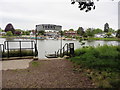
{"x": 50, "y": 46}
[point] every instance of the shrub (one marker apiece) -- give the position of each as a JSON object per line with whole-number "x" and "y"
{"x": 103, "y": 59}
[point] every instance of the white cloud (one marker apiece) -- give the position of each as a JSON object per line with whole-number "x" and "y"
{"x": 25, "y": 14}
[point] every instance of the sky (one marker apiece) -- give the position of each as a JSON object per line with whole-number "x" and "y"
{"x": 25, "y": 14}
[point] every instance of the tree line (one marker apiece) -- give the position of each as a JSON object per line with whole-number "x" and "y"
{"x": 10, "y": 31}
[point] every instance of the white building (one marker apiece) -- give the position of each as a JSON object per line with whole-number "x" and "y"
{"x": 43, "y": 27}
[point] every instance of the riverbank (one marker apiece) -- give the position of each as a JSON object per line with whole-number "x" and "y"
{"x": 105, "y": 39}
{"x": 55, "y": 73}
{"x": 100, "y": 63}
{"x": 46, "y": 38}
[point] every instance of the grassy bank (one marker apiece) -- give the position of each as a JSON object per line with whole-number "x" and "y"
{"x": 101, "y": 64}
{"x": 105, "y": 39}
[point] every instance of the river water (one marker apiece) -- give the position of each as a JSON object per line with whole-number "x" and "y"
{"x": 50, "y": 46}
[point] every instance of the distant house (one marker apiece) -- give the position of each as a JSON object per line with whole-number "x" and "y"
{"x": 113, "y": 34}
{"x": 71, "y": 33}
{"x": 2, "y": 33}
{"x": 52, "y": 34}
{"x": 99, "y": 35}
{"x": 103, "y": 35}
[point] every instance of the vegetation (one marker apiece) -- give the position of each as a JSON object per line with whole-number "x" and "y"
{"x": 9, "y": 33}
{"x": 96, "y": 31}
{"x": 80, "y": 31}
{"x": 9, "y": 27}
{"x": 101, "y": 64}
{"x": 89, "y": 32}
{"x": 34, "y": 63}
{"x": 16, "y": 53}
{"x": 105, "y": 39}
{"x": 106, "y": 27}
{"x": 41, "y": 32}
{"x": 118, "y": 33}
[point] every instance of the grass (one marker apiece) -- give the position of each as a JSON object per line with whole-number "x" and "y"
{"x": 34, "y": 63}
{"x": 101, "y": 64}
{"x": 16, "y": 53}
{"x": 105, "y": 39}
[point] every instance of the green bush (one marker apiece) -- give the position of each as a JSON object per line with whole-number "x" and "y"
{"x": 101, "y": 59}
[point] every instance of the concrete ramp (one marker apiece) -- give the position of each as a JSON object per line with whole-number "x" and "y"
{"x": 15, "y": 64}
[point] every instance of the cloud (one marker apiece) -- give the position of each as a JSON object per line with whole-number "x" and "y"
{"x": 25, "y": 14}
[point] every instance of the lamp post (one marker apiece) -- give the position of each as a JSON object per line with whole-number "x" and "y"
{"x": 36, "y": 51}
{"x": 61, "y": 43}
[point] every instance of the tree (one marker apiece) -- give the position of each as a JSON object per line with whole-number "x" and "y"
{"x": 89, "y": 32}
{"x": 41, "y": 32}
{"x": 17, "y": 33}
{"x": 86, "y": 5}
{"x": 96, "y": 31}
{"x": 27, "y": 33}
{"x": 9, "y": 27}
{"x": 106, "y": 27}
{"x": 61, "y": 33}
{"x": 118, "y": 33}
{"x": 9, "y": 33}
{"x": 71, "y": 29}
{"x": 108, "y": 34}
{"x": 111, "y": 30}
{"x": 80, "y": 31}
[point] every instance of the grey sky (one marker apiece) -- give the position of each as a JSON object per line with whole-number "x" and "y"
{"x": 25, "y": 14}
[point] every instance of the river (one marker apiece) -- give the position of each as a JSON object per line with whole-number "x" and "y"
{"x": 50, "y": 46}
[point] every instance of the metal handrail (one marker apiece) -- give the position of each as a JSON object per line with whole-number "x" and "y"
{"x": 6, "y": 47}
{"x": 60, "y": 50}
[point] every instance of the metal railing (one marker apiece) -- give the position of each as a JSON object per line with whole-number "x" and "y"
{"x": 6, "y": 47}
{"x": 62, "y": 52}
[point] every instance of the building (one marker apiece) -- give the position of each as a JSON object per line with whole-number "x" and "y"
{"x": 52, "y": 34}
{"x": 71, "y": 33}
{"x": 50, "y": 29}
{"x": 44, "y": 27}
{"x": 2, "y": 33}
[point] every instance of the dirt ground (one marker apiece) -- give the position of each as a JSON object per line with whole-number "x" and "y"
{"x": 46, "y": 74}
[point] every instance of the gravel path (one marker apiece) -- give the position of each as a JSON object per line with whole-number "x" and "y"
{"x": 46, "y": 74}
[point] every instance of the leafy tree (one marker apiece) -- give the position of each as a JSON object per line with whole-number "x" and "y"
{"x": 108, "y": 34}
{"x": 96, "y": 31}
{"x": 41, "y": 32}
{"x": 61, "y": 33}
{"x": 118, "y": 33}
{"x": 89, "y": 32}
{"x": 9, "y": 27}
{"x": 27, "y": 33}
{"x": 106, "y": 27}
{"x": 23, "y": 33}
{"x": 111, "y": 30}
{"x": 9, "y": 33}
{"x": 80, "y": 31}
{"x": 71, "y": 29}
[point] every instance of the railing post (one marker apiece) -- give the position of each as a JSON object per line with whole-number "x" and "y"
{"x": 7, "y": 49}
{"x": 55, "y": 54}
{"x": 32, "y": 46}
{"x": 20, "y": 49}
{"x": 71, "y": 46}
{"x": 3, "y": 48}
{"x": 67, "y": 49}
{"x": 63, "y": 51}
